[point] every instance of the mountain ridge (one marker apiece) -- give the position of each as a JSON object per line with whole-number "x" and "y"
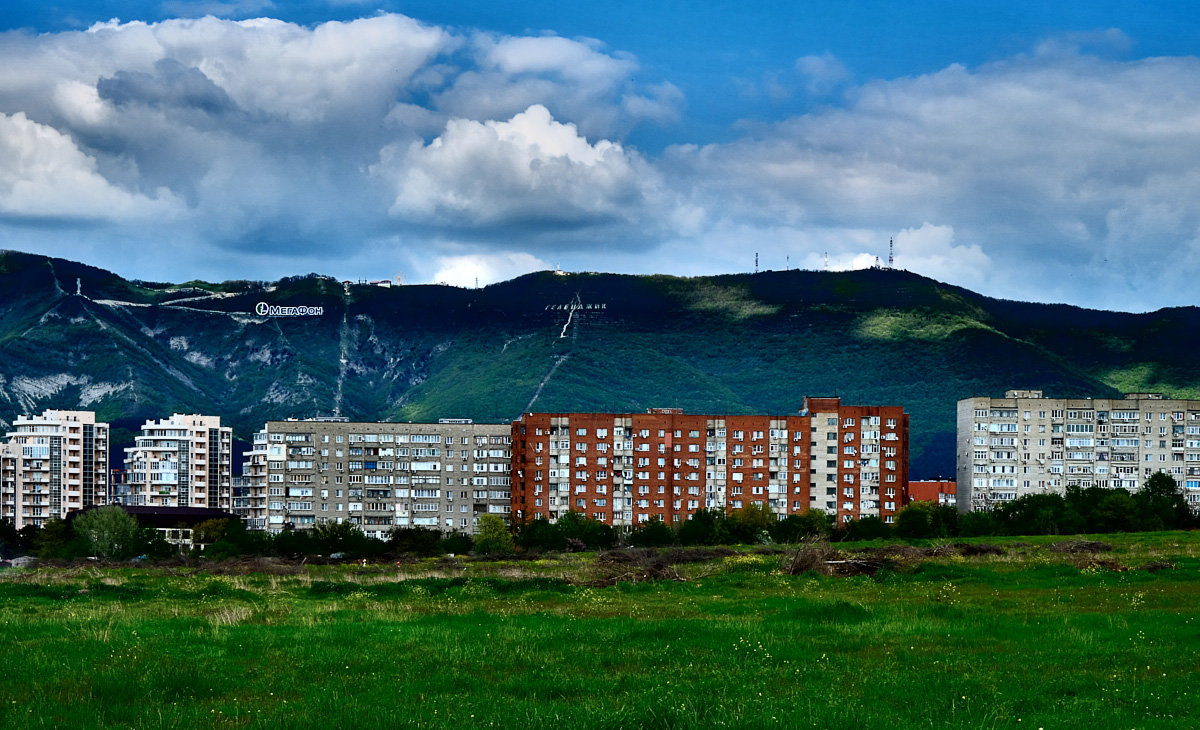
{"x": 73, "y": 335}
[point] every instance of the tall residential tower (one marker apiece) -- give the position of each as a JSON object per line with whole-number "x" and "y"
{"x": 52, "y": 464}
{"x": 181, "y": 461}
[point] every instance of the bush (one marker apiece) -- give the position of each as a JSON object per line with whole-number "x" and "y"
{"x": 794, "y": 528}
{"x": 493, "y": 536}
{"x": 654, "y": 533}
{"x": 457, "y": 543}
{"x": 108, "y": 532}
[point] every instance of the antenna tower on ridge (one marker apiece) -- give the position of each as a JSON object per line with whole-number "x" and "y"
{"x": 756, "y": 262}
{"x": 891, "y": 252}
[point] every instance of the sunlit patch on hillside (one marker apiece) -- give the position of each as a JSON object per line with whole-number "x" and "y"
{"x": 883, "y": 324}
{"x": 1145, "y": 378}
{"x": 732, "y": 301}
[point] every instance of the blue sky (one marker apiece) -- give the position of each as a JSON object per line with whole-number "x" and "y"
{"x": 1035, "y": 151}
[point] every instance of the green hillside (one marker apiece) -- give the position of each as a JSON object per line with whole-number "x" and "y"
{"x": 76, "y": 336}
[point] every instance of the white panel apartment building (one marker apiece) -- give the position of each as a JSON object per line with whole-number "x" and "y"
{"x": 181, "y": 461}
{"x": 1027, "y": 444}
{"x": 377, "y": 475}
{"x": 52, "y": 464}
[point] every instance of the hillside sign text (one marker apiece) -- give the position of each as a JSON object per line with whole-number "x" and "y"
{"x": 263, "y": 309}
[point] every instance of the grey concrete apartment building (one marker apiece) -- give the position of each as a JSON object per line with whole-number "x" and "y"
{"x": 52, "y": 464}
{"x": 378, "y": 476}
{"x": 1025, "y": 443}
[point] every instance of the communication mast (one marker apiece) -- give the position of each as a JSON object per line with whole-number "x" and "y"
{"x": 891, "y": 252}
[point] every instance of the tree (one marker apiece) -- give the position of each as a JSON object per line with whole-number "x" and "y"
{"x": 810, "y": 523}
{"x": 10, "y": 540}
{"x": 342, "y": 537}
{"x": 1161, "y": 506}
{"x": 870, "y": 527}
{"x": 108, "y": 532}
{"x": 457, "y": 543}
{"x": 53, "y": 541}
{"x": 978, "y": 523}
{"x": 415, "y": 540}
{"x": 492, "y": 537}
{"x": 654, "y": 533}
{"x": 747, "y": 525}
{"x": 209, "y": 531}
{"x": 591, "y": 533}
{"x": 236, "y": 540}
{"x": 927, "y": 519}
{"x": 1115, "y": 512}
{"x": 539, "y": 534}
{"x": 1039, "y": 514}
{"x": 701, "y": 528}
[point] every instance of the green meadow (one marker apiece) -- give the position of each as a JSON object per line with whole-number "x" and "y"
{"x": 1025, "y": 637}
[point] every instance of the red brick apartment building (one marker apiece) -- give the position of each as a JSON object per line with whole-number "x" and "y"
{"x": 625, "y": 469}
{"x": 942, "y": 491}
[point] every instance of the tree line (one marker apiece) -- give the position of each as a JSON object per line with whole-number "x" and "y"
{"x": 111, "y": 533}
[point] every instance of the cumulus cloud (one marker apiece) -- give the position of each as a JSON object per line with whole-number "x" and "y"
{"x": 1069, "y": 172}
{"x": 530, "y": 169}
{"x": 576, "y": 78}
{"x": 261, "y": 134}
{"x": 483, "y": 269}
{"x": 1063, "y": 160}
{"x": 822, "y": 73}
{"x": 45, "y": 175}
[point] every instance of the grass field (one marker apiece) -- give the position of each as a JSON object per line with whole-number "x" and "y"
{"x": 1031, "y": 638}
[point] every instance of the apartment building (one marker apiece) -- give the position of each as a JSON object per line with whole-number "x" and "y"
{"x": 440, "y": 475}
{"x": 52, "y": 464}
{"x": 1025, "y": 443}
{"x": 942, "y": 491}
{"x": 625, "y": 469}
{"x": 181, "y": 461}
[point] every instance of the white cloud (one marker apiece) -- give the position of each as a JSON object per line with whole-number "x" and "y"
{"x": 1043, "y": 165}
{"x": 823, "y": 73}
{"x": 932, "y": 251}
{"x": 306, "y": 74}
{"x": 1070, "y": 167}
{"x": 45, "y": 175}
{"x": 262, "y": 134}
{"x": 575, "y": 78}
{"x": 483, "y": 269}
{"x": 530, "y": 169}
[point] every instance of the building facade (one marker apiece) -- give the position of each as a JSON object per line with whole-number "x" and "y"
{"x": 942, "y": 491}
{"x": 1025, "y": 443}
{"x": 52, "y": 464}
{"x": 377, "y": 475}
{"x": 181, "y": 461}
{"x": 626, "y": 469}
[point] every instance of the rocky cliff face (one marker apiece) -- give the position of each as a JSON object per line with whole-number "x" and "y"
{"x": 73, "y": 336}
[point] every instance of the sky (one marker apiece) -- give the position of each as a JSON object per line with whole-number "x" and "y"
{"x": 1025, "y": 150}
